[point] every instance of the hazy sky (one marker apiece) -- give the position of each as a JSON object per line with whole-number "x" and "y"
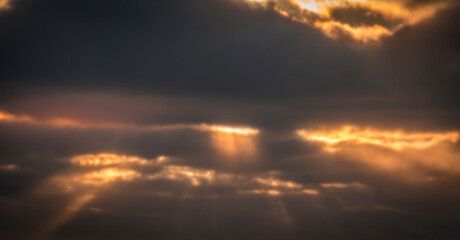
{"x": 229, "y": 119}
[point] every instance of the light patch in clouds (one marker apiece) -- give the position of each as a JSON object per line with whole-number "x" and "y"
{"x": 364, "y": 21}
{"x": 108, "y": 159}
{"x": 75, "y": 123}
{"x": 5, "y": 5}
{"x": 230, "y": 141}
{"x": 189, "y": 175}
{"x": 9, "y": 167}
{"x": 342, "y": 185}
{"x": 91, "y": 173}
{"x": 396, "y": 140}
{"x": 273, "y": 182}
{"x": 417, "y": 154}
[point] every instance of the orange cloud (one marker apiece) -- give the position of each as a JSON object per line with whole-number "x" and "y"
{"x": 109, "y": 159}
{"x": 5, "y": 5}
{"x": 228, "y": 140}
{"x": 414, "y": 153}
{"x": 397, "y": 140}
{"x": 90, "y": 174}
{"x": 364, "y": 21}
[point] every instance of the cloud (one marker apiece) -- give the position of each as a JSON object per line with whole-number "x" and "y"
{"x": 5, "y": 4}
{"x": 358, "y": 20}
{"x": 177, "y": 119}
{"x": 417, "y": 154}
{"x": 397, "y": 140}
{"x": 92, "y": 174}
{"x": 9, "y": 167}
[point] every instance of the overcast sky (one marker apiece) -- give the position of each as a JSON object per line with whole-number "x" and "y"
{"x": 229, "y": 119}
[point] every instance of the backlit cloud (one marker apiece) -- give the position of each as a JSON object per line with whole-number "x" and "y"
{"x": 415, "y": 153}
{"x": 361, "y": 20}
{"x": 397, "y": 140}
{"x": 228, "y": 140}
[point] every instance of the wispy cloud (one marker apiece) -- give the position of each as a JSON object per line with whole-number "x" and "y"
{"x": 363, "y": 21}
{"x": 415, "y": 153}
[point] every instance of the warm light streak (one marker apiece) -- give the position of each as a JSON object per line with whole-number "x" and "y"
{"x": 310, "y": 191}
{"x": 107, "y": 175}
{"x": 415, "y": 154}
{"x": 340, "y": 185}
{"x": 9, "y": 167}
{"x": 185, "y": 174}
{"x": 107, "y": 159}
{"x": 273, "y": 182}
{"x": 336, "y": 30}
{"x": 75, "y": 123}
{"x": 396, "y": 140}
{"x": 243, "y": 131}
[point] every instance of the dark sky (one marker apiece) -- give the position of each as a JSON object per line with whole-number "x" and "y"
{"x": 229, "y": 119}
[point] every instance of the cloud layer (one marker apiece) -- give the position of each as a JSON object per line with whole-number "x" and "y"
{"x": 219, "y": 119}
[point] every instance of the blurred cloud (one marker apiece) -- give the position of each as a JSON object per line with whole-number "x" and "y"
{"x": 4, "y": 5}
{"x": 9, "y": 167}
{"x": 415, "y": 153}
{"x": 174, "y": 119}
{"x": 359, "y": 20}
{"x": 397, "y": 140}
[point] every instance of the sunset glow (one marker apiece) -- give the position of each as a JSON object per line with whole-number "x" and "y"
{"x": 335, "y": 19}
{"x": 229, "y": 119}
{"x": 397, "y": 140}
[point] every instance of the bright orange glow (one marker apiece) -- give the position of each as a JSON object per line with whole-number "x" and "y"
{"x": 107, "y": 175}
{"x": 108, "y": 159}
{"x": 335, "y": 30}
{"x": 232, "y": 141}
{"x": 310, "y": 191}
{"x": 243, "y": 131}
{"x": 4, "y": 4}
{"x": 397, "y": 140}
{"x": 273, "y": 182}
{"x": 320, "y": 14}
{"x": 7, "y": 117}
{"x": 413, "y": 153}
{"x": 233, "y": 144}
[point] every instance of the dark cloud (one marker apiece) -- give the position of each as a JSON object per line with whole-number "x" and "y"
{"x": 145, "y": 63}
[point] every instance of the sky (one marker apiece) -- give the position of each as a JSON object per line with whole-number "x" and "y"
{"x": 229, "y": 119}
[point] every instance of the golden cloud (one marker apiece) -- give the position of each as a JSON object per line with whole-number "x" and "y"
{"x": 397, "y": 140}
{"x": 5, "y": 5}
{"x": 108, "y": 159}
{"x": 228, "y": 140}
{"x": 90, "y": 174}
{"x": 363, "y": 21}
{"x": 415, "y": 153}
